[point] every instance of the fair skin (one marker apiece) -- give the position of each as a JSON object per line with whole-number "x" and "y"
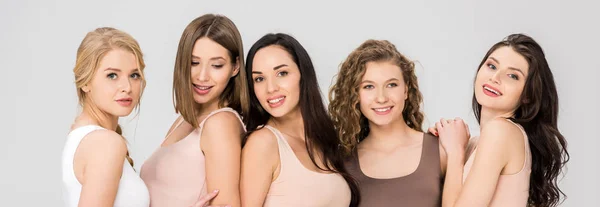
{"x": 98, "y": 163}
{"x": 390, "y": 141}
{"x": 277, "y": 87}
{"x": 115, "y": 89}
{"x": 500, "y": 149}
{"x": 212, "y": 69}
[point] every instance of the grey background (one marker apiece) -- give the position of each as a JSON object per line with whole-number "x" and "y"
{"x": 39, "y": 39}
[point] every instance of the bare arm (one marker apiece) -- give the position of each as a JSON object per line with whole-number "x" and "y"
{"x": 260, "y": 159}
{"x": 491, "y": 158}
{"x": 222, "y": 145}
{"x": 103, "y": 154}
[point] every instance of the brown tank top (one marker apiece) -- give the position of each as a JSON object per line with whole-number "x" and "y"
{"x": 422, "y": 188}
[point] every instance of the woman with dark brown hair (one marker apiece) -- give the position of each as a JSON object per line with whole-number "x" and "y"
{"x": 375, "y": 105}
{"x": 520, "y": 151}
{"x": 201, "y": 152}
{"x": 290, "y": 156}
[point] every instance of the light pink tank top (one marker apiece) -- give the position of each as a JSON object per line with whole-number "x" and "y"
{"x": 298, "y": 186}
{"x": 513, "y": 189}
{"x": 175, "y": 174}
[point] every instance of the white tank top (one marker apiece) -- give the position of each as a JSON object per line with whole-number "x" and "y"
{"x": 132, "y": 191}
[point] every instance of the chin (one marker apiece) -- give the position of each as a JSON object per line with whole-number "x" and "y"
{"x": 201, "y": 100}
{"x": 380, "y": 122}
{"x": 277, "y": 113}
{"x": 122, "y": 113}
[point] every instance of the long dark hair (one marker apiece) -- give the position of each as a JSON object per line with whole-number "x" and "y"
{"x": 538, "y": 114}
{"x": 321, "y": 136}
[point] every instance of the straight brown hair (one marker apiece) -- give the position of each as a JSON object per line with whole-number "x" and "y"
{"x": 223, "y": 31}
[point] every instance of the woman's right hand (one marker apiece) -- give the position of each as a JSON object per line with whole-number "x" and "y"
{"x": 454, "y": 135}
{"x": 433, "y": 130}
{"x": 203, "y": 201}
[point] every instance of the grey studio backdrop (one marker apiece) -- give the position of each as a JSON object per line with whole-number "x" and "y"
{"x": 39, "y": 39}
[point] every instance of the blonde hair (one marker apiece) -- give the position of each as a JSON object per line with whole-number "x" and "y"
{"x": 223, "y": 31}
{"x": 352, "y": 126}
{"x": 92, "y": 49}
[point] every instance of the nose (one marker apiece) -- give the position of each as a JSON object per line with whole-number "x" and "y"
{"x": 381, "y": 96}
{"x": 125, "y": 85}
{"x": 494, "y": 78}
{"x": 272, "y": 86}
{"x": 202, "y": 74}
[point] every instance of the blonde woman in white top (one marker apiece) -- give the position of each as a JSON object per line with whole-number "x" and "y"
{"x": 96, "y": 167}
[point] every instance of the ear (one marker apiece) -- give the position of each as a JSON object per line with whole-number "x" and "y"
{"x": 85, "y": 88}
{"x": 405, "y": 92}
{"x": 236, "y": 67}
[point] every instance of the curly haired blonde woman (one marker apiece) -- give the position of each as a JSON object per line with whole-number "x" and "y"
{"x": 375, "y": 104}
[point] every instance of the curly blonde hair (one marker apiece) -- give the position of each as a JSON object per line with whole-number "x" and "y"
{"x": 351, "y": 125}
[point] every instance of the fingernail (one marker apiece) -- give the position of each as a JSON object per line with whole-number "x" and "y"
{"x": 216, "y": 191}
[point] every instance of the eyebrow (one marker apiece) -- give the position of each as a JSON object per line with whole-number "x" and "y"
{"x": 119, "y": 70}
{"x": 213, "y": 58}
{"x": 511, "y": 68}
{"x": 370, "y": 81}
{"x": 279, "y": 66}
{"x": 274, "y": 68}
{"x": 115, "y": 69}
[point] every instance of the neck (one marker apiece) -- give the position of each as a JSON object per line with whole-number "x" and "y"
{"x": 291, "y": 124}
{"x": 488, "y": 114}
{"x": 103, "y": 119}
{"x": 397, "y": 131}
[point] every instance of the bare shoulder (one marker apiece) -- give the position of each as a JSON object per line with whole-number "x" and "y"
{"x": 500, "y": 132}
{"x": 223, "y": 120}
{"x": 262, "y": 141}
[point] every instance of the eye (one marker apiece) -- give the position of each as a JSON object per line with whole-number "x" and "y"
{"x": 282, "y": 73}
{"x": 391, "y": 85}
{"x": 491, "y": 66}
{"x": 112, "y": 76}
{"x": 218, "y": 66}
{"x": 368, "y": 87}
{"x": 135, "y": 76}
{"x": 195, "y": 63}
{"x": 258, "y": 79}
{"x": 513, "y": 76}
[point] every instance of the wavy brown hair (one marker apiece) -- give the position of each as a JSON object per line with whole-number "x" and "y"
{"x": 538, "y": 114}
{"x": 351, "y": 125}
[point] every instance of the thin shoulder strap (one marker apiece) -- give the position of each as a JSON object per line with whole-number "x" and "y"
{"x": 221, "y": 110}
{"x": 176, "y": 126}
{"x": 525, "y": 137}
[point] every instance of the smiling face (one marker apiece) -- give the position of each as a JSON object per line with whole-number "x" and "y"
{"x": 501, "y": 79}
{"x": 212, "y": 69}
{"x": 117, "y": 83}
{"x": 276, "y": 80}
{"x": 382, "y": 93}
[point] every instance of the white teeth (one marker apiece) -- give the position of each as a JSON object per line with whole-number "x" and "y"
{"x": 491, "y": 90}
{"x": 276, "y": 100}
{"x": 203, "y": 87}
{"x": 383, "y": 109}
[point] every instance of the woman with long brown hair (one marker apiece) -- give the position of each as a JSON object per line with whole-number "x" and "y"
{"x": 519, "y": 154}
{"x": 291, "y": 155}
